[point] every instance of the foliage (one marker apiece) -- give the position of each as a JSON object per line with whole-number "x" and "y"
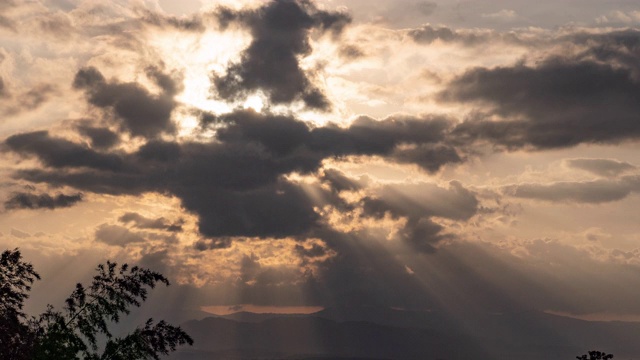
{"x": 74, "y": 332}
{"x": 595, "y": 355}
{"x": 16, "y": 278}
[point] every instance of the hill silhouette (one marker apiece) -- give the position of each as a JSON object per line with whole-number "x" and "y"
{"x": 384, "y": 333}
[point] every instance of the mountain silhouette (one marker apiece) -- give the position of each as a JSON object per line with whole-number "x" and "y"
{"x": 367, "y": 333}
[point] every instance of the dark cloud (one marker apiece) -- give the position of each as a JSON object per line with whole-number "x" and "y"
{"x": 281, "y": 135}
{"x": 41, "y": 201}
{"x": 136, "y": 110}
{"x": 558, "y": 103}
{"x": 316, "y": 250}
{"x": 61, "y": 153}
{"x": 171, "y": 84}
{"x": 100, "y": 137}
{"x": 96, "y": 181}
{"x": 235, "y": 184}
{"x": 601, "y": 167}
{"x": 429, "y": 157}
{"x": 212, "y": 244}
{"x": 422, "y": 140}
{"x": 616, "y": 47}
{"x": 280, "y": 31}
{"x": 594, "y": 192}
{"x": 406, "y": 139}
{"x": 275, "y": 210}
{"x": 116, "y": 235}
{"x": 339, "y": 182}
{"x": 143, "y": 222}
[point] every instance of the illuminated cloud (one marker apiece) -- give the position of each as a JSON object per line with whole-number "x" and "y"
{"x": 601, "y": 167}
{"x": 596, "y": 191}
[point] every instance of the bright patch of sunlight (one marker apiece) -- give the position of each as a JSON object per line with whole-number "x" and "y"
{"x": 260, "y": 309}
{"x": 196, "y": 57}
{"x": 254, "y": 102}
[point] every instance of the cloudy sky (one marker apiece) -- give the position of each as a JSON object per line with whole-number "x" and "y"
{"x": 445, "y": 154}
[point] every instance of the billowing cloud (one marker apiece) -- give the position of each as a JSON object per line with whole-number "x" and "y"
{"x": 280, "y": 31}
{"x": 617, "y": 47}
{"x": 136, "y": 110}
{"x": 557, "y": 103}
{"x": 235, "y": 184}
{"x": 61, "y": 153}
{"x": 23, "y": 200}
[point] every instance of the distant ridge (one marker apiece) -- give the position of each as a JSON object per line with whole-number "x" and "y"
{"x": 368, "y": 333}
{"x": 245, "y": 316}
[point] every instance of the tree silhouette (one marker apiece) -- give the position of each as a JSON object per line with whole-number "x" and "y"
{"x": 74, "y": 332}
{"x": 595, "y": 355}
{"x": 16, "y": 278}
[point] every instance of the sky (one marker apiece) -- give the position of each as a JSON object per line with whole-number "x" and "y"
{"x": 295, "y": 155}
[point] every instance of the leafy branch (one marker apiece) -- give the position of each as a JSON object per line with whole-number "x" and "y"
{"x": 88, "y": 312}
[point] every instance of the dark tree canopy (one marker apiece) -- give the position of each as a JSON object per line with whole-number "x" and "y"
{"x": 595, "y": 355}
{"x": 16, "y": 278}
{"x": 73, "y": 333}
